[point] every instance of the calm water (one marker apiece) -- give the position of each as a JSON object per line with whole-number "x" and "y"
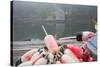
{"x": 59, "y": 20}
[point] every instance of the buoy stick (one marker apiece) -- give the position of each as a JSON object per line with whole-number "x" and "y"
{"x": 44, "y": 30}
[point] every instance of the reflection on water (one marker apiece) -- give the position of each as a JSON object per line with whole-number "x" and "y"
{"x": 59, "y": 20}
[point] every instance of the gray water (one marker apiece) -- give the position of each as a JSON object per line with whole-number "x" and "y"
{"x": 59, "y": 20}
